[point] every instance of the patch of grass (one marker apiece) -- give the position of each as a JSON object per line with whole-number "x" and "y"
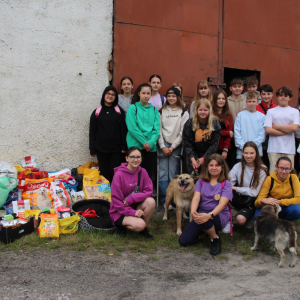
{"x": 152, "y": 258}
{"x": 222, "y": 257}
{"x": 165, "y": 237}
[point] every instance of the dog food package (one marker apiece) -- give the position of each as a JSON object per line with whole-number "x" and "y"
{"x": 95, "y": 186}
{"x": 38, "y": 192}
{"x": 59, "y": 173}
{"x": 60, "y": 195}
{"x": 28, "y": 161}
{"x": 49, "y": 226}
{"x": 63, "y": 212}
{"x": 76, "y": 196}
{"x": 20, "y": 206}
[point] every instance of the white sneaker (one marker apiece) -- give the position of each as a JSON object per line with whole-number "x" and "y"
{"x": 226, "y": 229}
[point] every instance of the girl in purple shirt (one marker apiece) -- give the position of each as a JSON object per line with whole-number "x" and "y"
{"x": 209, "y": 206}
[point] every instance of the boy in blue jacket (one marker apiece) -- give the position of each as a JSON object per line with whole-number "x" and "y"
{"x": 249, "y": 126}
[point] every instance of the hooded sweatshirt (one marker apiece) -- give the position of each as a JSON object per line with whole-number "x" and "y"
{"x": 281, "y": 190}
{"x": 108, "y": 130}
{"x": 236, "y": 106}
{"x": 143, "y": 123}
{"x": 123, "y": 184}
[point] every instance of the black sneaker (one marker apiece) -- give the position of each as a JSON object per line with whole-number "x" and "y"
{"x": 121, "y": 231}
{"x": 145, "y": 233}
{"x": 215, "y": 247}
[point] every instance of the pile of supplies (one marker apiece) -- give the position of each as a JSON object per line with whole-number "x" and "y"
{"x": 32, "y": 199}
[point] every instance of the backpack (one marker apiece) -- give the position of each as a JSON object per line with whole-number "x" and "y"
{"x": 162, "y": 99}
{"x": 272, "y": 184}
{"x": 98, "y": 110}
{"x": 229, "y": 205}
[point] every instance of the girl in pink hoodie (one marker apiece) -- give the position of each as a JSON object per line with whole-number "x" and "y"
{"x": 132, "y": 206}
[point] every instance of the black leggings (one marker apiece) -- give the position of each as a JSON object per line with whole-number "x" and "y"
{"x": 191, "y": 232}
{"x": 149, "y": 163}
{"x": 107, "y": 163}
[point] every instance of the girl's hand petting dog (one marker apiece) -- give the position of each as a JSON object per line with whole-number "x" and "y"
{"x": 271, "y": 201}
{"x": 139, "y": 213}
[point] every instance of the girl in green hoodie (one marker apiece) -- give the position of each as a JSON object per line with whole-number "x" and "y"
{"x": 143, "y": 124}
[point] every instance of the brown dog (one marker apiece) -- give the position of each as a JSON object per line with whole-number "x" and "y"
{"x": 272, "y": 229}
{"x": 180, "y": 191}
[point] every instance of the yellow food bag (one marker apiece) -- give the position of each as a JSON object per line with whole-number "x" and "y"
{"x": 38, "y": 192}
{"x": 95, "y": 186}
{"x": 69, "y": 225}
{"x": 34, "y": 213}
{"x": 49, "y": 226}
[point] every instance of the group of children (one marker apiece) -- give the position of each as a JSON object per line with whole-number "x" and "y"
{"x": 246, "y": 132}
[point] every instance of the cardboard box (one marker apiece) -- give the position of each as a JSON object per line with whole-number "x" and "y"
{"x": 9, "y": 234}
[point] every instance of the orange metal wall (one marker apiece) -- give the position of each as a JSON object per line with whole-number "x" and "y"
{"x": 264, "y": 36}
{"x": 179, "y": 40}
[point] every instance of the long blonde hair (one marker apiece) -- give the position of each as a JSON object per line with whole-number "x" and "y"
{"x": 203, "y": 84}
{"x": 211, "y": 117}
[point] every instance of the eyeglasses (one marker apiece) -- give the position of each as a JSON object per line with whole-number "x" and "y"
{"x": 135, "y": 157}
{"x": 110, "y": 94}
{"x": 284, "y": 169}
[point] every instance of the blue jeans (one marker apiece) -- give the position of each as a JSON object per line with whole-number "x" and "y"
{"x": 290, "y": 213}
{"x": 168, "y": 168}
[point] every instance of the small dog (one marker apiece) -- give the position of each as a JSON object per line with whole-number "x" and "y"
{"x": 180, "y": 191}
{"x": 43, "y": 200}
{"x": 62, "y": 197}
{"x": 272, "y": 229}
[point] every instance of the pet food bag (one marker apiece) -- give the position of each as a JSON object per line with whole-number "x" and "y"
{"x": 20, "y": 206}
{"x": 76, "y": 196}
{"x": 59, "y": 194}
{"x": 49, "y": 226}
{"x": 28, "y": 161}
{"x": 95, "y": 186}
{"x": 38, "y": 192}
{"x": 8, "y": 205}
{"x": 69, "y": 225}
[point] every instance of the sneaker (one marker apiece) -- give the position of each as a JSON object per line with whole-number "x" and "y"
{"x": 215, "y": 246}
{"x": 250, "y": 223}
{"x": 226, "y": 229}
{"x": 121, "y": 231}
{"x": 145, "y": 233}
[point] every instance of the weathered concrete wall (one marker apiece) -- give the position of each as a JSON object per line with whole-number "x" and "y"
{"x": 53, "y": 57}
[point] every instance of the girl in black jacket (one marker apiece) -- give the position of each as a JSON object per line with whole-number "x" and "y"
{"x": 200, "y": 136}
{"x": 108, "y": 133}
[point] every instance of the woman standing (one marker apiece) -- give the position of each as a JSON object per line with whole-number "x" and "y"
{"x": 108, "y": 133}
{"x": 201, "y": 135}
{"x": 126, "y": 93}
{"x": 172, "y": 119}
{"x": 143, "y": 124}
{"x": 222, "y": 113}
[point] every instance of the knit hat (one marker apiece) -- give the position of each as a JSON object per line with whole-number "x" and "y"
{"x": 173, "y": 90}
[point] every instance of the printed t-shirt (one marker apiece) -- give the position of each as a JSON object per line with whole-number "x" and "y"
{"x": 210, "y": 196}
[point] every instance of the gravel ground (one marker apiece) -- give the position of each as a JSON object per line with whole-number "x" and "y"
{"x": 60, "y": 274}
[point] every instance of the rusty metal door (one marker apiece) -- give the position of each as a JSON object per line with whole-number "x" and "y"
{"x": 178, "y": 40}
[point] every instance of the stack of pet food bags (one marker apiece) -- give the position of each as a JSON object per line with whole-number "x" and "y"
{"x": 47, "y": 197}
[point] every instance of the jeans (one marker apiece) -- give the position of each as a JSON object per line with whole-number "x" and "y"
{"x": 168, "y": 168}
{"x": 191, "y": 232}
{"x": 290, "y": 213}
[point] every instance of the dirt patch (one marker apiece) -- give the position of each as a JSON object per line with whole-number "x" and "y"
{"x": 61, "y": 274}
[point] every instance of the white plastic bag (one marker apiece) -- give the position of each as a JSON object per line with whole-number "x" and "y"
{"x": 6, "y": 170}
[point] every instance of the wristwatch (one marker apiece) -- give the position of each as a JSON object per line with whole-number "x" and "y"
{"x": 212, "y": 215}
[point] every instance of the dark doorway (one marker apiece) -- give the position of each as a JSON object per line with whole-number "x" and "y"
{"x": 230, "y": 73}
